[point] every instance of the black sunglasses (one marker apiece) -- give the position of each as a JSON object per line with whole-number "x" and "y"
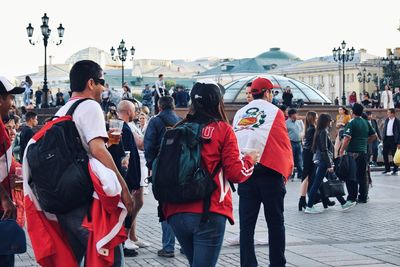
{"x": 100, "y": 81}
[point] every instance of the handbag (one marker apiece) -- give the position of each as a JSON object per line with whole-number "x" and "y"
{"x": 333, "y": 187}
{"x": 396, "y": 158}
{"x": 13, "y": 240}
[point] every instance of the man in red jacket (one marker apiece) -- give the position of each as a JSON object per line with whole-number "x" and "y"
{"x": 7, "y": 208}
{"x": 260, "y": 126}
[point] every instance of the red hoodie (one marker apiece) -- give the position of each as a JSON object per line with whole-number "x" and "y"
{"x": 223, "y": 148}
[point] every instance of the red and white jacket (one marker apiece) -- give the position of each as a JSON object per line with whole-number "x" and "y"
{"x": 222, "y": 148}
{"x": 106, "y": 230}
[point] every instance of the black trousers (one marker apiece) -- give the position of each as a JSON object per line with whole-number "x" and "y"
{"x": 270, "y": 191}
{"x": 389, "y": 147}
{"x": 357, "y": 183}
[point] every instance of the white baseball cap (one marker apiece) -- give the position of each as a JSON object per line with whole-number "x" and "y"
{"x": 7, "y": 88}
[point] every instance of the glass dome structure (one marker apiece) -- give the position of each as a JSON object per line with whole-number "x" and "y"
{"x": 235, "y": 91}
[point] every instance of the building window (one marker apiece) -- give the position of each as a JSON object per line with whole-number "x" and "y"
{"x": 352, "y": 77}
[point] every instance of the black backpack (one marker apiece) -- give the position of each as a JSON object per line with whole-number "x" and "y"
{"x": 178, "y": 173}
{"x": 59, "y": 166}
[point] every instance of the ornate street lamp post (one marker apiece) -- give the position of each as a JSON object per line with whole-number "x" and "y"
{"x": 363, "y": 78}
{"x": 122, "y": 55}
{"x": 341, "y": 54}
{"x": 46, "y": 34}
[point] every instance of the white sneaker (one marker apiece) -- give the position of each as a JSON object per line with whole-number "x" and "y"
{"x": 348, "y": 205}
{"x": 233, "y": 241}
{"x": 141, "y": 243}
{"x": 129, "y": 244}
{"x": 261, "y": 241}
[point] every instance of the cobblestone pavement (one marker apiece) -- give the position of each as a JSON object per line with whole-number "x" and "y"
{"x": 367, "y": 235}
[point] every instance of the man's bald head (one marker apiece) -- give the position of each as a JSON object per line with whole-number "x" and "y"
{"x": 126, "y": 110}
{"x": 125, "y": 105}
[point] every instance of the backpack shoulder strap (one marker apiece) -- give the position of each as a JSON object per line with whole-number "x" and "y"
{"x": 75, "y": 105}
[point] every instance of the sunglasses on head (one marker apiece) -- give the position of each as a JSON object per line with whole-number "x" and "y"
{"x": 100, "y": 81}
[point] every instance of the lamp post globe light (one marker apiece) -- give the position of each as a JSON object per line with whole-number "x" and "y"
{"x": 46, "y": 31}
{"x": 363, "y": 77}
{"x": 122, "y": 55}
{"x": 341, "y": 54}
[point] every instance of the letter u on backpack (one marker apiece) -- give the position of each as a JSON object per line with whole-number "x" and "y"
{"x": 178, "y": 175}
{"x": 59, "y": 166}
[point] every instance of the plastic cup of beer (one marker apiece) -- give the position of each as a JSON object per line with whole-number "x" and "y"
{"x": 248, "y": 150}
{"x": 116, "y": 131}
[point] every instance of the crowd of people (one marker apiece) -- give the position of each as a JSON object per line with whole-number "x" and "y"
{"x": 387, "y": 98}
{"x": 123, "y": 143}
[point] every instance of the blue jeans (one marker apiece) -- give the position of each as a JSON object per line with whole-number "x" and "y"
{"x": 201, "y": 242}
{"x": 297, "y": 150}
{"x": 168, "y": 237}
{"x": 320, "y": 172}
{"x": 268, "y": 189}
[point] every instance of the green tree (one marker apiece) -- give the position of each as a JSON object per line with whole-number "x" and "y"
{"x": 169, "y": 84}
{"x": 392, "y": 74}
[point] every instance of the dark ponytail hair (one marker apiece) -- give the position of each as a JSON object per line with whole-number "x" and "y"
{"x": 207, "y": 102}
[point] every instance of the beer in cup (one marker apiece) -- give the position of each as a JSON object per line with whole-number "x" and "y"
{"x": 116, "y": 131}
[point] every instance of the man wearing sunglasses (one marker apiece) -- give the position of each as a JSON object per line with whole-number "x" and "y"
{"x": 87, "y": 81}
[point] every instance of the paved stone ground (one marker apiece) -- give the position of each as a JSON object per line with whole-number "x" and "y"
{"x": 368, "y": 235}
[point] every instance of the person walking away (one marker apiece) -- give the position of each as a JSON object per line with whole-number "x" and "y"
{"x": 152, "y": 140}
{"x": 295, "y": 129}
{"x": 87, "y": 81}
{"x": 126, "y": 112}
{"x": 387, "y": 98}
{"x": 308, "y": 163}
{"x": 260, "y": 125}
{"x": 160, "y": 90}
{"x": 357, "y": 134}
{"x": 391, "y": 139}
{"x": 7, "y": 207}
{"x": 27, "y": 131}
{"x": 373, "y": 147}
{"x": 201, "y": 240}
{"x": 341, "y": 120}
{"x": 322, "y": 148}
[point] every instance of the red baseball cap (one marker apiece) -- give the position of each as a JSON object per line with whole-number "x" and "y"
{"x": 260, "y": 85}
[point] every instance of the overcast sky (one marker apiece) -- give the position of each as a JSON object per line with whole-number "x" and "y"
{"x": 179, "y": 29}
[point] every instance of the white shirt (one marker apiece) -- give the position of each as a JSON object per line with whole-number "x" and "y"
{"x": 89, "y": 120}
{"x": 389, "y": 129}
{"x": 160, "y": 87}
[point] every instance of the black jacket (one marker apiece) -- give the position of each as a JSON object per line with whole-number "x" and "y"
{"x": 324, "y": 148}
{"x": 396, "y": 130}
{"x": 375, "y": 126}
{"x": 309, "y": 137}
